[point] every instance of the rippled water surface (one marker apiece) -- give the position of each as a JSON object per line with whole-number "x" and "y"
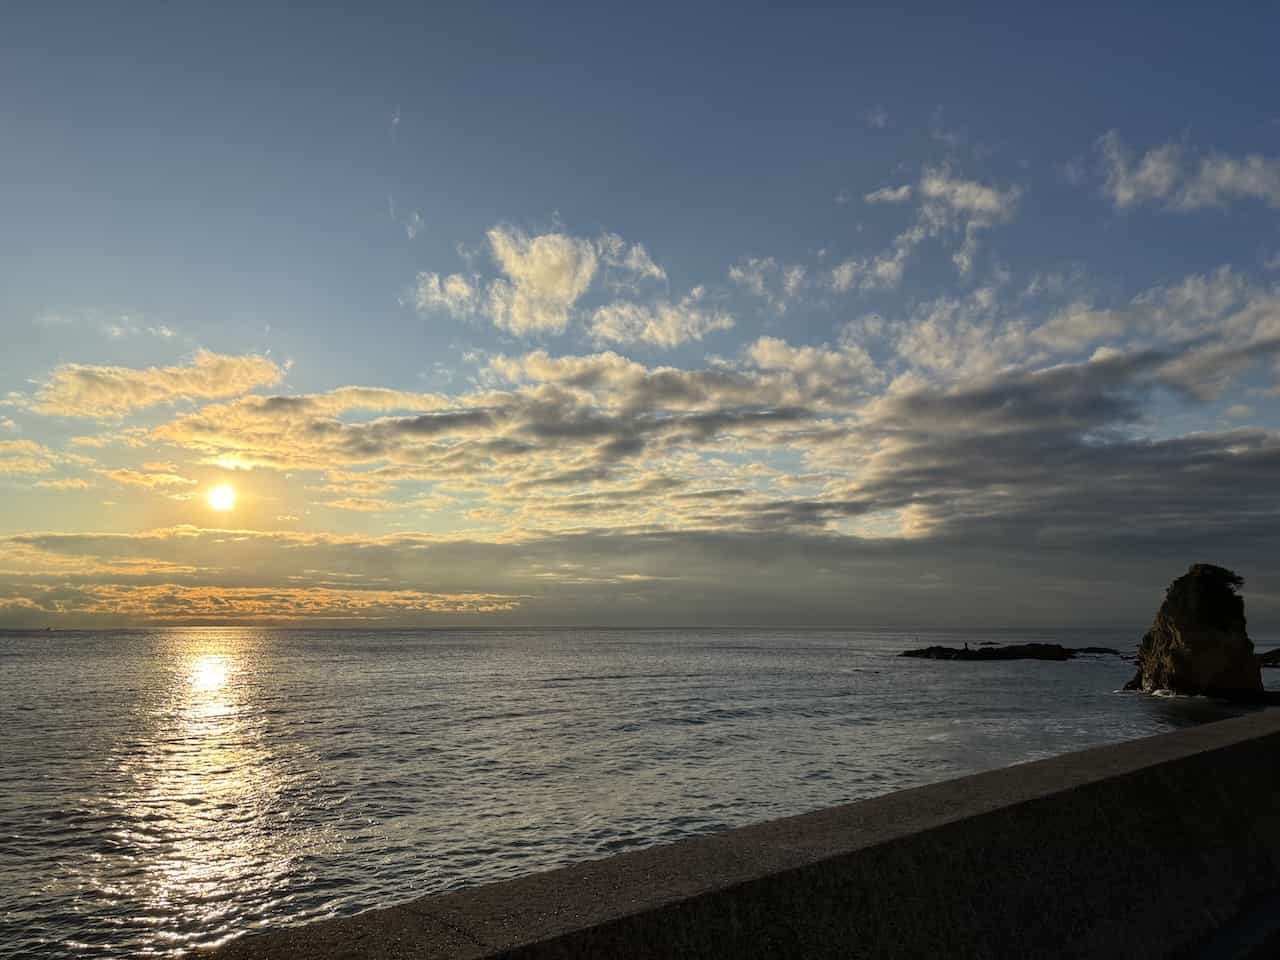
{"x": 168, "y": 788}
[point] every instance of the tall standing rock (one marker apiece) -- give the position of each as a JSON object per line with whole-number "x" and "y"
{"x": 1198, "y": 643}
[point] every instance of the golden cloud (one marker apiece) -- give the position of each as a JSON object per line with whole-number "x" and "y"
{"x": 99, "y": 392}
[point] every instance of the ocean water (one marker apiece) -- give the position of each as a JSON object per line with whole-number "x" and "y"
{"x": 163, "y": 789}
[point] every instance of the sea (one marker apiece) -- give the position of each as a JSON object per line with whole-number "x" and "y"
{"x": 165, "y": 789}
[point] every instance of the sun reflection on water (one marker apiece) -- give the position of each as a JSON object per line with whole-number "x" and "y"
{"x": 199, "y": 793}
{"x": 209, "y": 672}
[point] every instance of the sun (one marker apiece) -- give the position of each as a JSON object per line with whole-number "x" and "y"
{"x": 222, "y": 497}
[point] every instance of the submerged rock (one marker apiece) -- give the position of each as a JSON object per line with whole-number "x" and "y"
{"x": 1198, "y": 643}
{"x": 1016, "y": 651}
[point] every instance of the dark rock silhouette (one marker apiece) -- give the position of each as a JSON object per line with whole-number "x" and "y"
{"x": 1198, "y": 643}
{"x": 988, "y": 650}
{"x": 1017, "y": 651}
{"x": 1269, "y": 659}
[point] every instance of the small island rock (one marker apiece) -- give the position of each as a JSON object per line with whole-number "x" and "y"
{"x": 1198, "y": 643}
{"x": 1016, "y": 651}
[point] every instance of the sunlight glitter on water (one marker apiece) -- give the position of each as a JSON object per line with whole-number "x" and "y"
{"x": 192, "y": 785}
{"x": 209, "y": 672}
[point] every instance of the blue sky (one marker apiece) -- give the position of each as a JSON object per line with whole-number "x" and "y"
{"x": 519, "y": 217}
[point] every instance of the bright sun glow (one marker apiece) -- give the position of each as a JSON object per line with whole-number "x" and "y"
{"x": 222, "y": 497}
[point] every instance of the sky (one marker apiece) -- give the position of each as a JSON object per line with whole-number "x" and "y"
{"x": 497, "y": 313}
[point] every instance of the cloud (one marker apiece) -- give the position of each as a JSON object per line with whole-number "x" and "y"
{"x": 889, "y": 194}
{"x": 546, "y": 442}
{"x": 793, "y": 280}
{"x": 1183, "y": 179}
{"x": 126, "y": 326}
{"x": 946, "y": 204}
{"x": 968, "y": 197}
{"x": 951, "y": 203}
{"x": 962, "y": 337}
{"x": 819, "y": 372}
{"x": 149, "y": 480}
{"x": 66, "y": 483}
{"x": 1207, "y": 315}
{"x": 752, "y": 274}
{"x": 878, "y": 118}
{"x": 641, "y": 264}
{"x": 362, "y": 504}
{"x": 1078, "y": 325}
{"x": 882, "y": 272}
{"x": 173, "y": 603}
{"x": 1045, "y": 451}
{"x": 113, "y": 328}
{"x": 964, "y": 435}
{"x": 25, "y": 457}
{"x": 413, "y": 225}
{"x": 631, "y": 263}
{"x": 598, "y": 419}
{"x": 1129, "y": 182}
{"x": 99, "y": 392}
{"x": 1222, "y": 178}
{"x": 1021, "y": 482}
{"x": 778, "y": 284}
{"x": 663, "y": 324}
{"x": 545, "y": 276}
{"x": 455, "y": 294}
{"x": 984, "y": 430}
{"x": 1214, "y": 326}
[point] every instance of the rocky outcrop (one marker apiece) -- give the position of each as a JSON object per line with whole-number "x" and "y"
{"x": 1269, "y": 659}
{"x": 1017, "y": 651}
{"x": 1198, "y": 643}
{"x": 988, "y": 650}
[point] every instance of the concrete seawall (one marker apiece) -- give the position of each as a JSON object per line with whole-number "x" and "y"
{"x": 1164, "y": 846}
